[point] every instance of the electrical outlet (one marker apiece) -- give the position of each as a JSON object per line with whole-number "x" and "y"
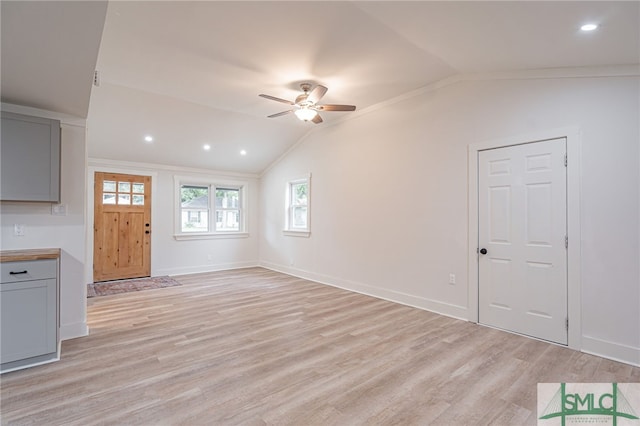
{"x": 58, "y": 209}
{"x": 452, "y": 278}
{"x": 210, "y": 258}
{"x": 18, "y": 230}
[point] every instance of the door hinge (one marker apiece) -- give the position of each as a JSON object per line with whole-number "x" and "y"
{"x": 566, "y": 323}
{"x": 566, "y": 242}
{"x": 565, "y": 160}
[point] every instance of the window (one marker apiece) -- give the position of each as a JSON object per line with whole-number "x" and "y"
{"x": 194, "y": 206}
{"x": 208, "y": 210}
{"x": 125, "y": 193}
{"x": 298, "y": 197}
{"x": 227, "y": 209}
{"x": 194, "y": 217}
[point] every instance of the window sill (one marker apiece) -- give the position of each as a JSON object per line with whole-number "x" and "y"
{"x": 304, "y": 234}
{"x": 209, "y": 236}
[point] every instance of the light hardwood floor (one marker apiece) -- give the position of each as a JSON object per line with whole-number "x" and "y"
{"x": 253, "y": 346}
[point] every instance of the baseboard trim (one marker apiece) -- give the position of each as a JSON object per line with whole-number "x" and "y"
{"x": 204, "y": 268}
{"x": 71, "y": 331}
{"x": 450, "y": 310}
{"x": 610, "y": 350}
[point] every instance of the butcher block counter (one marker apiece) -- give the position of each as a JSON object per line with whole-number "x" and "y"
{"x": 30, "y": 295}
{"x": 29, "y": 254}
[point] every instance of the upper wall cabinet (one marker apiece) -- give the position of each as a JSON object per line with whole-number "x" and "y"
{"x": 30, "y": 158}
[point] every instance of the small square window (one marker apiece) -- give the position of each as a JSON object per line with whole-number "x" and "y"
{"x": 124, "y": 187}
{"x": 124, "y": 199}
{"x": 137, "y": 188}
{"x": 108, "y": 186}
{"x": 108, "y": 198}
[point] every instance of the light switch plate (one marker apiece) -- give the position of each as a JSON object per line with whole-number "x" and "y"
{"x": 18, "y": 230}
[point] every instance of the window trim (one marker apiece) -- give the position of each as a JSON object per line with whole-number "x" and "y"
{"x": 212, "y": 183}
{"x": 288, "y": 229}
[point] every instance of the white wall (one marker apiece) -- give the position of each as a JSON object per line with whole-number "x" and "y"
{"x": 43, "y": 230}
{"x": 389, "y": 196}
{"x": 389, "y": 202}
{"x": 168, "y": 255}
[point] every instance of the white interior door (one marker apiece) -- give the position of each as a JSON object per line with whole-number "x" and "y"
{"x": 522, "y": 224}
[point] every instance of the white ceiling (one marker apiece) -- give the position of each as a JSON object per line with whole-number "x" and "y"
{"x": 49, "y": 52}
{"x": 189, "y": 73}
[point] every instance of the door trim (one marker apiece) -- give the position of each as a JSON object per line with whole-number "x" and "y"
{"x": 574, "y": 142}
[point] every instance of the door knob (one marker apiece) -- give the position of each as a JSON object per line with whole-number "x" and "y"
{"x": 483, "y": 251}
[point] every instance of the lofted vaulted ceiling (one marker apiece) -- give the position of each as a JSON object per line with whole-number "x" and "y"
{"x": 189, "y": 73}
{"x": 48, "y": 53}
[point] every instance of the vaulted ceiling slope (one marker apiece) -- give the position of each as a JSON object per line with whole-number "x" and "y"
{"x": 49, "y": 51}
{"x": 188, "y": 73}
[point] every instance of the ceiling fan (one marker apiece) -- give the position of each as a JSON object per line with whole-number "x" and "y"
{"x": 306, "y": 105}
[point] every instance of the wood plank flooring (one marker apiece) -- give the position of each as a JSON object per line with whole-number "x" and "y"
{"x": 254, "y": 347}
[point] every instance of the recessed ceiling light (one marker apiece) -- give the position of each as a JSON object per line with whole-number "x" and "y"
{"x": 206, "y": 147}
{"x": 148, "y": 138}
{"x": 243, "y": 152}
{"x": 589, "y": 27}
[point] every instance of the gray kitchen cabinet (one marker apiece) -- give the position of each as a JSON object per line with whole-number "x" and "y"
{"x": 28, "y": 313}
{"x": 30, "y": 158}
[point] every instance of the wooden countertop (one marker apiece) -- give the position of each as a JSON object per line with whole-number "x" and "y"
{"x": 30, "y": 254}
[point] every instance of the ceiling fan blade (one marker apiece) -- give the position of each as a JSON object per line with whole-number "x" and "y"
{"x": 317, "y": 119}
{"x": 336, "y": 107}
{"x": 273, "y": 98}
{"x": 317, "y": 94}
{"x": 280, "y": 114}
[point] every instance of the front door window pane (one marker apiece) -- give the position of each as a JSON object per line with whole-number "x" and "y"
{"x": 124, "y": 199}
{"x": 137, "y": 188}
{"x": 108, "y": 186}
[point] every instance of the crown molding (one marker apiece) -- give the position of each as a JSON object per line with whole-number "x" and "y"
{"x": 105, "y": 163}
{"x": 607, "y": 71}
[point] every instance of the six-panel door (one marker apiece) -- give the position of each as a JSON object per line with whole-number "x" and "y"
{"x": 522, "y": 227}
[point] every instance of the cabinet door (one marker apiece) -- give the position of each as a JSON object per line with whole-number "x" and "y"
{"x": 28, "y": 319}
{"x": 30, "y": 155}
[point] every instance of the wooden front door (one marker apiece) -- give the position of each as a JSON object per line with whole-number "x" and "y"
{"x": 122, "y": 226}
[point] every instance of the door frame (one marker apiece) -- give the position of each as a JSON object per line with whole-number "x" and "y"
{"x": 91, "y": 174}
{"x": 574, "y": 141}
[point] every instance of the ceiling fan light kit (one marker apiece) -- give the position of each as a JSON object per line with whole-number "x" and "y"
{"x": 305, "y": 113}
{"x": 306, "y": 105}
